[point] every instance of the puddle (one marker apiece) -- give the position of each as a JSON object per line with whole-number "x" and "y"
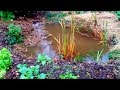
{"x": 48, "y": 45}
{"x": 83, "y": 44}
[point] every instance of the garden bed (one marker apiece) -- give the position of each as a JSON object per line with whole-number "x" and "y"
{"x": 56, "y": 67}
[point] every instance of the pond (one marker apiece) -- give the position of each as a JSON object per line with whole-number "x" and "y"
{"x": 48, "y": 44}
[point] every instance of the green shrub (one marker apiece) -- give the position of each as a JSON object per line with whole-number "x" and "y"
{"x": 114, "y": 54}
{"x": 55, "y": 17}
{"x": 43, "y": 59}
{"x": 118, "y": 14}
{"x": 68, "y": 75}
{"x": 2, "y": 74}
{"x": 5, "y": 61}
{"x": 31, "y": 72}
{"x": 14, "y": 34}
{"x": 6, "y": 15}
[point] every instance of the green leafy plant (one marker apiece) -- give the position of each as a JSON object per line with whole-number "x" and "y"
{"x": 6, "y": 15}
{"x": 68, "y": 75}
{"x": 43, "y": 59}
{"x": 14, "y": 34}
{"x": 5, "y": 61}
{"x": 117, "y": 13}
{"x": 2, "y": 74}
{"x": 31, "y": 72}
{"x": 115, "y": 54}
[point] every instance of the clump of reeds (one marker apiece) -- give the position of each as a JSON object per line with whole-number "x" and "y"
{"x": 67, "y": 45}
{"x": 66, "y": 41}
{"x": 102, "y": 35}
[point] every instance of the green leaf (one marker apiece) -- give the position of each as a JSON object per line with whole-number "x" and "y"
{"x": 42, "y": 76}
{"x": 14, "y": 34}
{"x": 23, "y": 77}
{"x": 23, "y": 69}
{"x": 114, "y": 54}
{"x": 6, "y": 15}
{"x": 2, "y": 73}
{"x": 32, "y": 77}
{"x": 43, "y": 62}
{"x": 37, "y": 66}
{"x": 28, "y": 72}
{"x": 5, "y": 59}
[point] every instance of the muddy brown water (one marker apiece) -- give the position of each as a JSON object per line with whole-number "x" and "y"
{"x": 84, "y": 44}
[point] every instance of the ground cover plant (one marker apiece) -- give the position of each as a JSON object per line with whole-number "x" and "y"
{"x": 115, "y": 54}
{"x": 14, "y": 34}
{"x": 6, "y": 15}
{"x": 43, "y": 59}
{"x": 5, "y": 61}
{"x": 31, "y": 72}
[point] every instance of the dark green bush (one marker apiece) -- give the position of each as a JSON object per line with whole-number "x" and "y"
{"x": 114, "y": 54}
{"x": 5, "y": 61}
{"x": 6, "y": 15}
{"x": 14, "y": 34}
{"x": 55, "y": 17}
{"x": 118, "y": 14}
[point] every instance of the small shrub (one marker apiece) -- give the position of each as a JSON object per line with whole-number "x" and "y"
{"x": 118, "y": 14}
{"x": 68, "y": 75}
{"x": 55, "y": 17}
{"x": 14, "y": 34}
{"x": 43, "y": 59}
{"x": 6, "y": 15}
{"x": 32, "y": 72}
{"x": 114, "y": 54}
{"x": 5, "y": 61}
